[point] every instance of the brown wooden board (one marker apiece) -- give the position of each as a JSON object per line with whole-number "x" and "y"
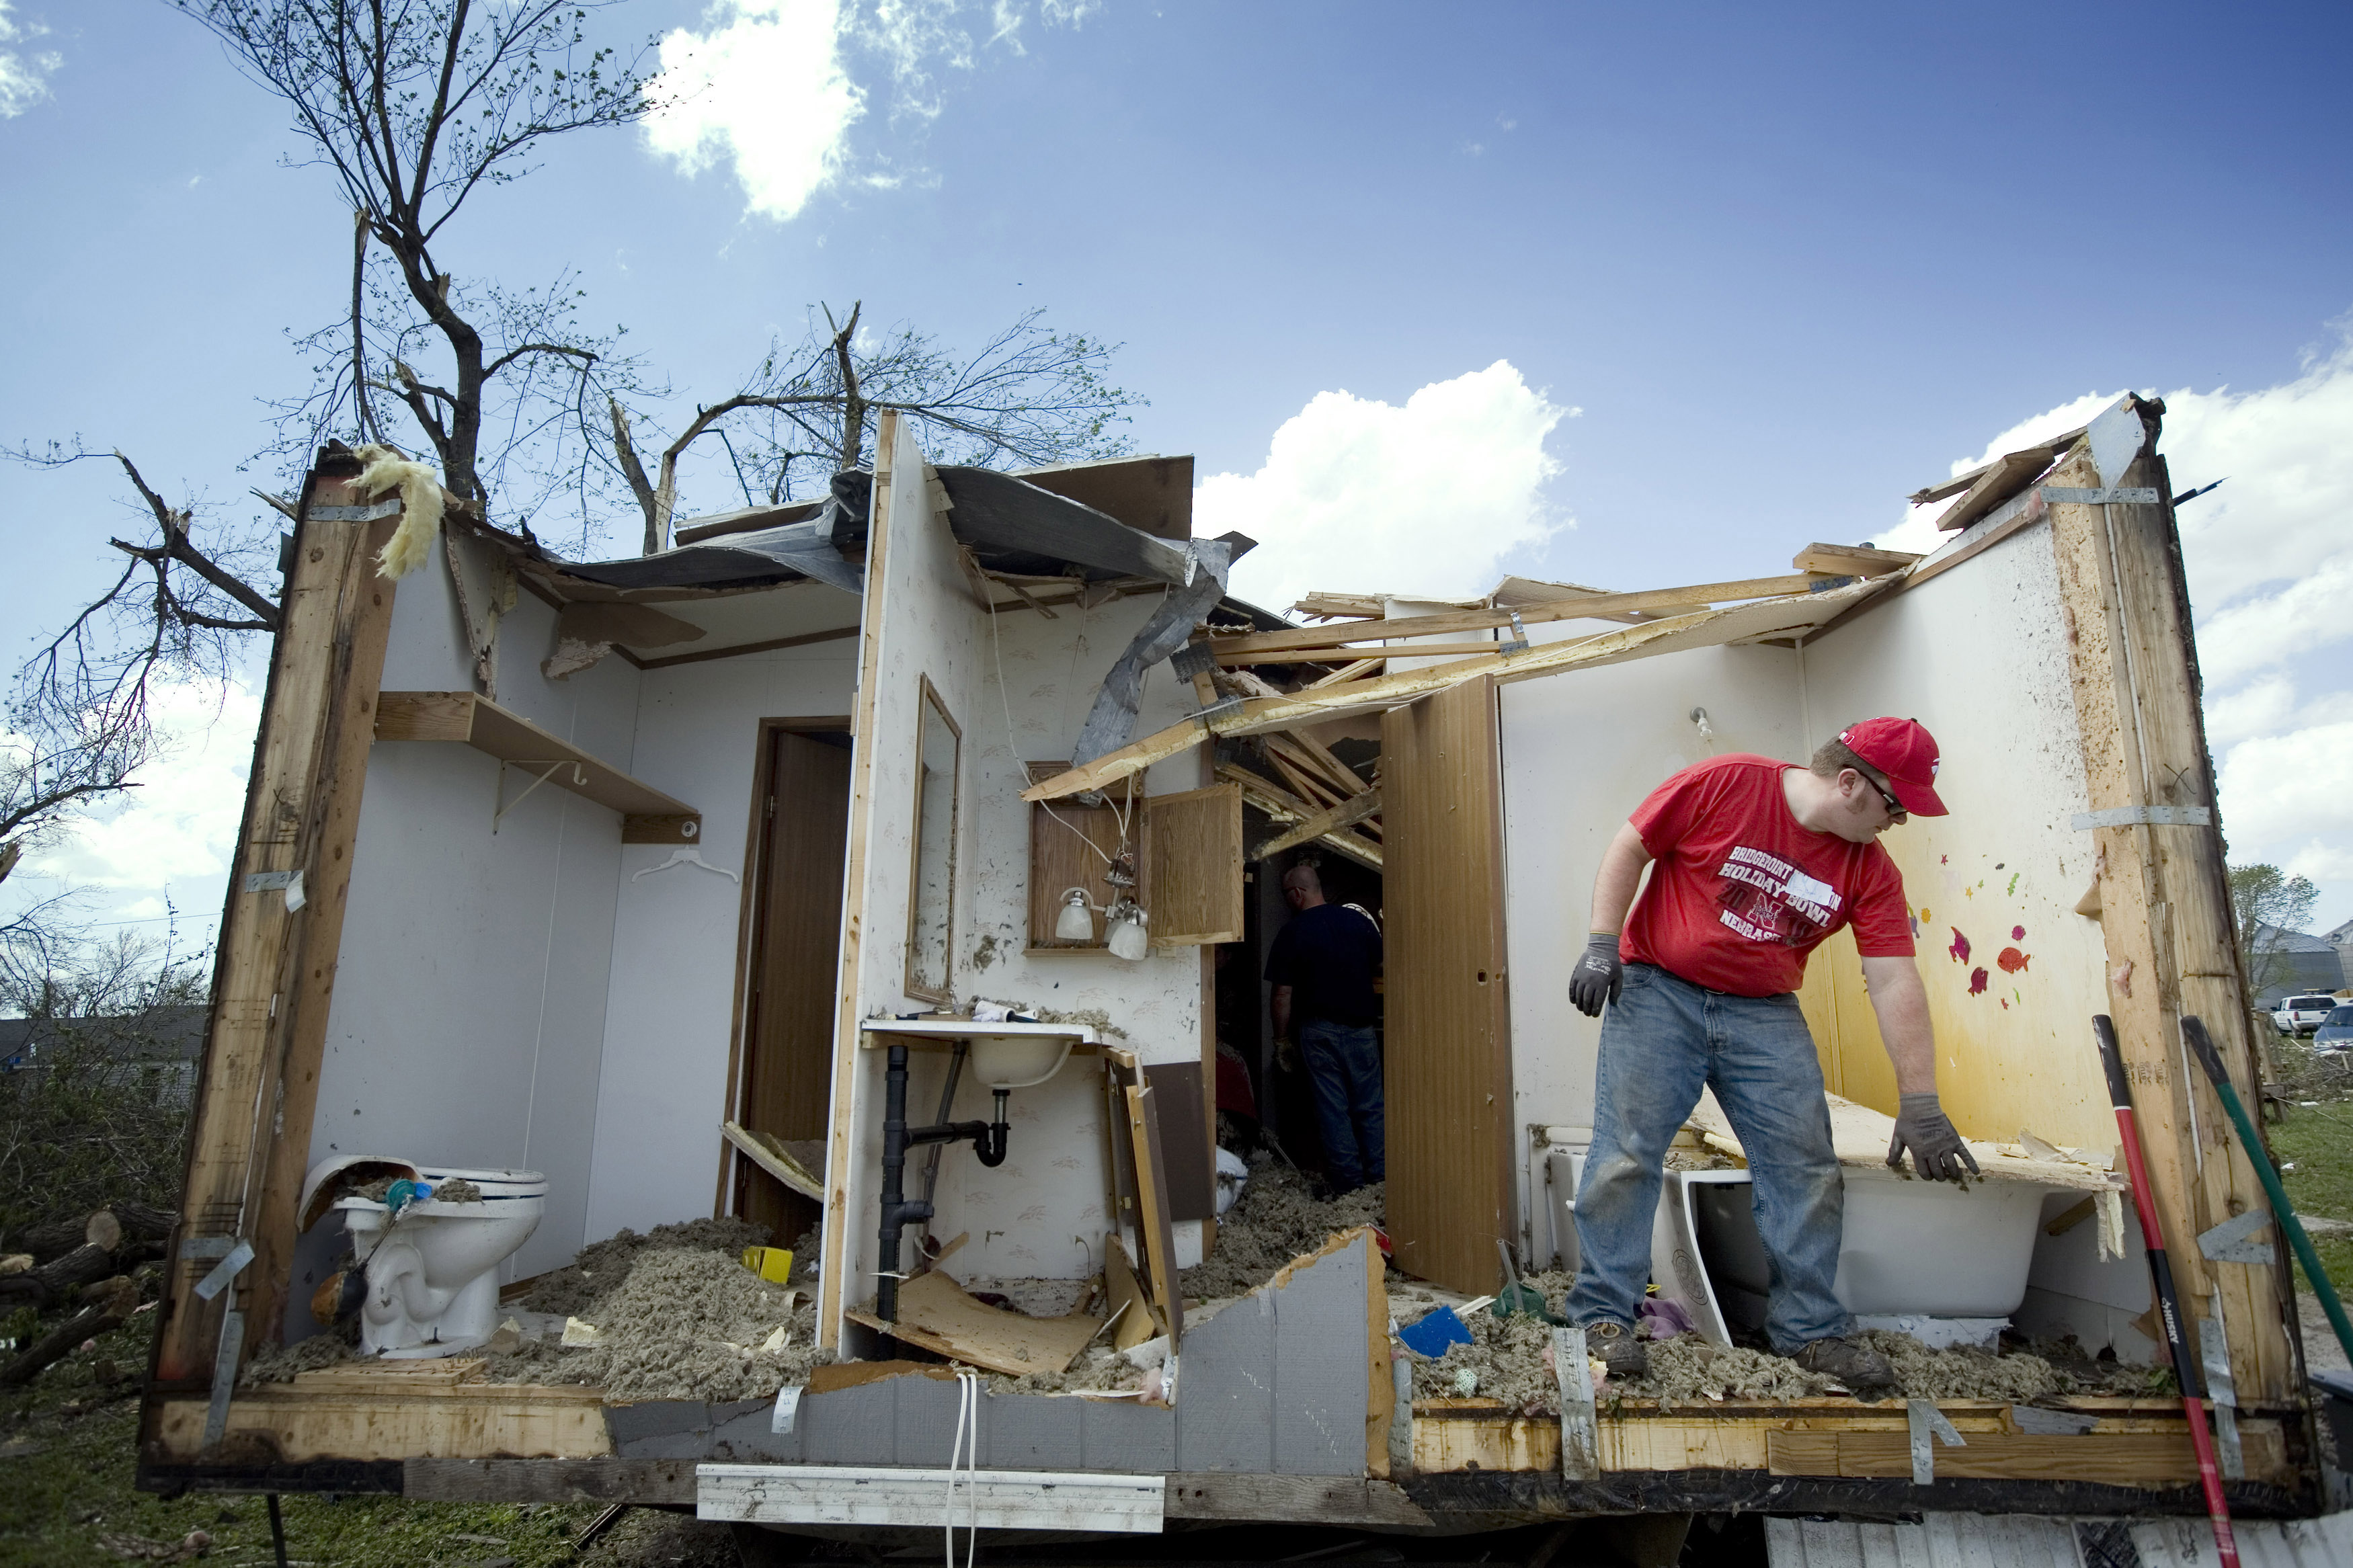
{"x": 1192, "y": 1190}
{"x": 1449, "y": 1074}
{"x": 276, "y": 966}
{"x": 935, "y": 1314}
{"x": 2119, "y": 1458}
{"x": 1196, "y": 851}
{"x": 1152, "y": 1184}
{"x": 2163, "y": 899}
{"x": 476, "y": 721}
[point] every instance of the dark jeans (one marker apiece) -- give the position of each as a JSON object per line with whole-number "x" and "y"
{"x": 1661, "y": 1041}
{"x": 1344, "y": 1063}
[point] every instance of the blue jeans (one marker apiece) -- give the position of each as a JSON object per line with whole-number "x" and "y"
{"x": 1344, "y": 1064}
{"x": 1661, "y": 1040}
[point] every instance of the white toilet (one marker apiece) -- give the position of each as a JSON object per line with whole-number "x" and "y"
{"x": 432, "y": 1268}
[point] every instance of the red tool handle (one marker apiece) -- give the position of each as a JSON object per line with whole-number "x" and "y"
{"x": 2168, "y": 1302}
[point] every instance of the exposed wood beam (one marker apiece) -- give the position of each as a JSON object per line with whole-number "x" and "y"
{"x": 1778, "y": 617}
{"x": 1850, "y": 560}
{"x": 1347, "y": 672}
{"x": 1348, "y": 813}
{"x": 1454, "y": 621}
{"x": 1338, "y": 651}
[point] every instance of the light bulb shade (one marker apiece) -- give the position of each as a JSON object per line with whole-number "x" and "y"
{"x": 1076, "y": 922}
{"x": 1126, "y": 932}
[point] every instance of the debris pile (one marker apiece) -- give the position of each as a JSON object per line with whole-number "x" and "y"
{"x": 1276, "y": 1219}
{"x": 684, "y": 1323}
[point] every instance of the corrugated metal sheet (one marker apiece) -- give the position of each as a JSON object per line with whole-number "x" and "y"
{"x": 1983, "y": 1540}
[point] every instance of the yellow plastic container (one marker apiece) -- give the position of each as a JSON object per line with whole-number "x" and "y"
{"x": 774, "y": 1264}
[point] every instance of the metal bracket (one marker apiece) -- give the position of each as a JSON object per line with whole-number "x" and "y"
{"x": 2229, "y": 1243}
{"x": 270, "y": 881}
{"x": 1927, "y": 1422}
{"x": 2138, "y": 816}
{"x": 227, "y": 1270}
{"x": 1519, "y": 643}
{"x": 2223, "y": 1395}
{"x": 232, "y": 1348}
{"x": 1193, "y": 659}
{"x": 351, "y": 513}
{"x": 579, "y": 780}
{"x": 1580, "y": 1446}
{"x": 1223, "y": 705}
{"x": 2123, "y": 495}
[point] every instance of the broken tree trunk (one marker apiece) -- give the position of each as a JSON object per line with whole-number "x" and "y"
{"x": 46, "y": 1286}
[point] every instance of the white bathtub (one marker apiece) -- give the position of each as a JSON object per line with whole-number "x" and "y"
{"x": 1910, "y": 1248}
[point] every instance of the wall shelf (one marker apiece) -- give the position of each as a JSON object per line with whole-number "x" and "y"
{"x": 647, "y": 816}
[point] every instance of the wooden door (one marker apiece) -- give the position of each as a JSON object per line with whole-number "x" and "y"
{"x": 789, "y": 1025}
{"x": 1449, "y": 1074}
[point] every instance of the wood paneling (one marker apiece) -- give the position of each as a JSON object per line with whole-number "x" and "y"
{"x": 1449, "y": 1076}
{"x": 275, "y": 967}
{"x": 1196, "y": 851}
{"x": 2165, "y": 911}
{"x": 788, "y": 1068}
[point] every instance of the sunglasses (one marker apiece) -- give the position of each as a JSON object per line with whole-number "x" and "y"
{"x": 1895, "y": 812}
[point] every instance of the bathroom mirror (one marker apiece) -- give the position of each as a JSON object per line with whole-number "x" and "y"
{"x": 930, "y": 891}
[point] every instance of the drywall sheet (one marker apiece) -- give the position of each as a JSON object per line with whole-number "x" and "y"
{"x": 676, "y": 932}
{"x": 469, "y": 1009}
{"x": 1274, "y": 1385}
{"x": 1581, "y": 752}
{"x": 1041, "y": 1212}
{"x": 1979, "y": 654}
{"x": 920, "y": 625}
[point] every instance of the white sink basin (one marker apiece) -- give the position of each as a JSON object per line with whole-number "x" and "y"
{"x": 1004, "y": 1055}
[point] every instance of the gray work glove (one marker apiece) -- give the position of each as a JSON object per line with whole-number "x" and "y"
{"x": 1596, "y": 978}
{"x": 1938, "y": 1152}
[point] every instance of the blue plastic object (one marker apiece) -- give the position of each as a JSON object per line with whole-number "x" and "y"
{"x": 1433, "y": 1332}
{"x": 403, "y": 1193}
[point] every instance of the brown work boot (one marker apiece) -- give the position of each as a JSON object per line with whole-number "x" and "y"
{"x": 1862, "y": 1371}
{"x": 1623, "y": 1356}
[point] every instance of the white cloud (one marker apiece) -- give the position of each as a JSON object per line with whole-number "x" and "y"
{"x": 765, "y": 87}
{"x": 181, "y": 824}
{"x": 2270, "y": 574}
{"x": 24, "y": 72}
{"x": 1354, "y": 492}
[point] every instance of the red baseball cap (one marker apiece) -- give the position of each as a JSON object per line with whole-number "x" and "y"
{"x": 1907, "y": 754}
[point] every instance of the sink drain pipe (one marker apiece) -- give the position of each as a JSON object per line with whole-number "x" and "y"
{"x": 987, "y": 1142}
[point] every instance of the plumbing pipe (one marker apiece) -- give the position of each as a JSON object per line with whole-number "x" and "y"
{"x": 947, "y": 1104}
{"x": 988, "y": 1141}
{"x": 2169, "y": 1305}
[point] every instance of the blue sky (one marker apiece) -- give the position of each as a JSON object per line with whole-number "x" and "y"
{"x": 1621, "y": 295}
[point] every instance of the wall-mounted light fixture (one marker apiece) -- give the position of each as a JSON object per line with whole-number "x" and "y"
{"x": 1076, "y": 922}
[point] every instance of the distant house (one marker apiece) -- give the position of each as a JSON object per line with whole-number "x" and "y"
{"x": 163, "y": 1045}
{"x": 2342, "y": 939}
{"x": 2299, "y": 961}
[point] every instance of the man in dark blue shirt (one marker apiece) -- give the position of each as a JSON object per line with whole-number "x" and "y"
{"x": 1322, "y": 967}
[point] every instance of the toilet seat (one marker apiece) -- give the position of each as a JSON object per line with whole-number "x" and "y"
{"x": 495, "y": 1184}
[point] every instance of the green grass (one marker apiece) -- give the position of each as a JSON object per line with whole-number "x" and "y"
{"x": 76, "y": 1486}
{"x": 2317, "y": 1140}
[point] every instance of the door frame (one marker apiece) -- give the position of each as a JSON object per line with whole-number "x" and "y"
{"x": 747, "y": 921}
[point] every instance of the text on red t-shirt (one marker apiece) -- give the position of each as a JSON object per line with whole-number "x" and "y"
{"x": 1740, "y": 893}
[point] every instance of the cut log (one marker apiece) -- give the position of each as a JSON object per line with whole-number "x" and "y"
{"x": 48, "y": 1285}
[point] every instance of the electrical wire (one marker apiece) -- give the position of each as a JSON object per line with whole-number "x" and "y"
{"x": 968, "y": 1423}
{"x": 1013, "y": 749}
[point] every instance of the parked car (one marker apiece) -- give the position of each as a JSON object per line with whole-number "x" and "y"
{"x": 2335, "y": 1035}
{"x": 2300, "y": 1015}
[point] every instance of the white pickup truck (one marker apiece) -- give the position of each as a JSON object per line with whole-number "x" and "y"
{"x": 2300, "y": 1015}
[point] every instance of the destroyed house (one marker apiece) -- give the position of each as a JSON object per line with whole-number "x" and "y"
{"x": 638, "y": 891}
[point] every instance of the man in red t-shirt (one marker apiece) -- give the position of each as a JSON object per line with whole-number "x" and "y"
{"x": 1753, "y": 863}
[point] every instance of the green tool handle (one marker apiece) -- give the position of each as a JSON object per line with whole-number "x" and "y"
{"x": 2201, "y": 1045}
